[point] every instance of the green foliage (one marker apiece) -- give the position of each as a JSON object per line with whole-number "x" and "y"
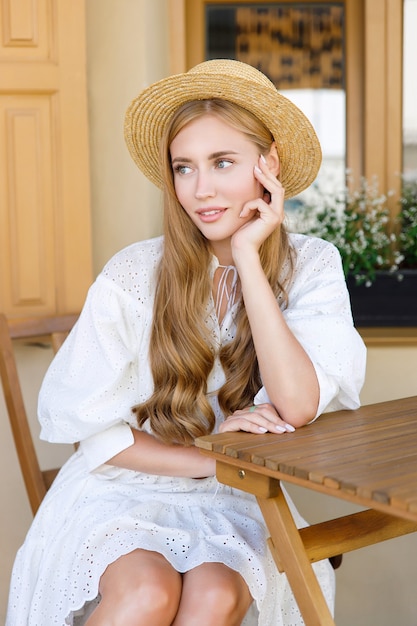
{"x": 408, "y": 223}
{"x": 358, "y": 224}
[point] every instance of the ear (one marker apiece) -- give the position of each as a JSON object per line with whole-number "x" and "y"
{"x": 272, "y": 159}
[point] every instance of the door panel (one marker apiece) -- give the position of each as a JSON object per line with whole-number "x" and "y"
{"x": 45, "y": 233}
{"x": 27, "y": 239}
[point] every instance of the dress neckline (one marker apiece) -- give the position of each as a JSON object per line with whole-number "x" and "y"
{"x": 226, "y": 291}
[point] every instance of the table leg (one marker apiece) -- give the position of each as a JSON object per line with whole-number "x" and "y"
{"x": 290, "y": 555}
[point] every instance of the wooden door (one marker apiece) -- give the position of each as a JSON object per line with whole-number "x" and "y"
{"x": 45, "y": 232}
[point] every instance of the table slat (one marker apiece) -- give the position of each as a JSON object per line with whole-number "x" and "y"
{"x": 370, "y": 452}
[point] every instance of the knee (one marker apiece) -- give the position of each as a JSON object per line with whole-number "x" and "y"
{"x": 222, "y": 598}
{"x": 153, "y": 600}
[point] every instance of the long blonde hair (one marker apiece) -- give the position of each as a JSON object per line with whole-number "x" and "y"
{"x": 182, "y": 351}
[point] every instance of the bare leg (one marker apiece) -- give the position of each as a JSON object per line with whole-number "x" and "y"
{"x": 139, "y": 589}
{"x": 213, "y": 595}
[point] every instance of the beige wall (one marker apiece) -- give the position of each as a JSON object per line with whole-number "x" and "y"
{"x": 127, "y": 49}
{"x": 391, "y": 373}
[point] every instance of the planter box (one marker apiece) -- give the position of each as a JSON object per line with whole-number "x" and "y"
{"x": 390, "y": 301}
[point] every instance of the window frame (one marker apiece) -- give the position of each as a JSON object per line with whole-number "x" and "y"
{"x": 374, "y": 41}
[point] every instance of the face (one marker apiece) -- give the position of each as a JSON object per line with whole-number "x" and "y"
{"x": 213, "y": 176}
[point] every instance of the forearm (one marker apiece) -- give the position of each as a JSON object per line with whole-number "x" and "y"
{"x": 149, "y": 455}
{"x": 286, "y": 369}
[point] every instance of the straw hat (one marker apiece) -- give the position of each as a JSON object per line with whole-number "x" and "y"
{"x": 149, "y": 113}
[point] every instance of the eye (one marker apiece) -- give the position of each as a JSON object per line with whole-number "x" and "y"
{"x": 182, "y": 169}
{"x": 222, "y": 164}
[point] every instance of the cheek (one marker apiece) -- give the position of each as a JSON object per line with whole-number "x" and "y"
{"x": 179, "y": 190}
{"x": 183, "y": 196}
{"x": 247, "y": 187}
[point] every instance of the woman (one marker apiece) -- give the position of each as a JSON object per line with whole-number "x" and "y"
{"x": 226, "y": 323}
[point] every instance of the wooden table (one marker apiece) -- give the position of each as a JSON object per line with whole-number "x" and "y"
{"x": 367, "y": 457}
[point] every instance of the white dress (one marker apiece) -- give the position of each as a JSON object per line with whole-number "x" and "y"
{"x": 95, "y": 513}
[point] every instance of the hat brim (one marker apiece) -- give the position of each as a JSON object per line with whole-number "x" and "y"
{"x": 148, "y": 115}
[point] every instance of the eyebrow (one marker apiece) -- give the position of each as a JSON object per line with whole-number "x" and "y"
{"x": 212, "y": 156}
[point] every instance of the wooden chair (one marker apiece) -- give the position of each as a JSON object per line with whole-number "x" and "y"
{"x": 51, "y": 330}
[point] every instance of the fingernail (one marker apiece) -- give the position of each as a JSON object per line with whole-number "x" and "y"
{"x": 289, "y": 428}
{"x": 280, "y": 429}
{"x": 262, "y": 429}
{"x": 263, "y": 159}
{"x": 257, "y": 169}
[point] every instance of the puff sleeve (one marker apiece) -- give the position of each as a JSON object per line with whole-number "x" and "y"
{"x": 319, "y": 315}
{"x": 102, "y": 369}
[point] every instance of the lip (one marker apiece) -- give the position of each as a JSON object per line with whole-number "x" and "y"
{"x": 211, "y": 214}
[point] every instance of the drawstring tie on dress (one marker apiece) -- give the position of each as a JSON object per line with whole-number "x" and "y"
{"x": 223, "y": 290}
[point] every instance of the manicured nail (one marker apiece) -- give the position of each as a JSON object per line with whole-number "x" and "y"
{"x": 263, "y": 159}
{"x": 257, "y": 169}
{"x": 280, "y": 429}
{"x": 262, "y": 429}
{"x": 289, "y": 428}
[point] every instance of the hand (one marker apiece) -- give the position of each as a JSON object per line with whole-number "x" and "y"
{"x": 256, "y": 419}
{"x": 268, "y": 211}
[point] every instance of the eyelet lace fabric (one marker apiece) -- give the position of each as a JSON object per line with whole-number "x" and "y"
{"x": 94, "y": 513}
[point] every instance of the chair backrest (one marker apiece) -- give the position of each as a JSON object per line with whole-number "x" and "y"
{"x": 53, "y": 330}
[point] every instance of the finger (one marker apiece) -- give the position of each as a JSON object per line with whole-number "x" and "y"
{"x": 269, "y": 413}
{"x": 268, "y": 179}
{"x": 266, "y": 196}
{"x": 254, "y": 423}
{"x": 256, "y": 206}
{"x": 272, "y": 202}
{"x": 247, "y": 425}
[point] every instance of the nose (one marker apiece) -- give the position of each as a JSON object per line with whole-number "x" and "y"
{"x": 205, "y": 186}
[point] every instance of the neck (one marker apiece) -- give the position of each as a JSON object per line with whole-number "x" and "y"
{"x": 223, "y": 252}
